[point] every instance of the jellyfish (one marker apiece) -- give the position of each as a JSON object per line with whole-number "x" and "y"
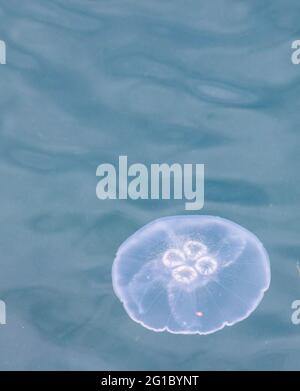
{"x": 191, "y": 274}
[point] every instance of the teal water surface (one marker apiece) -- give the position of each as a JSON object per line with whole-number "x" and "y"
{"x": 159, "y": 81}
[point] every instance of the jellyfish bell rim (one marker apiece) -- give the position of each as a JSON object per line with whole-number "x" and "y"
{"x": 196, "y": 332}
{"x": 132, "y": 238}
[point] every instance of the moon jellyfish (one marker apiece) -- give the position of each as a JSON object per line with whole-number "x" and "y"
{"x": 191, "y": 274}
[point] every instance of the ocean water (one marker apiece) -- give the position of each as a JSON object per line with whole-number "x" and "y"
{"x": 159, "y": 81}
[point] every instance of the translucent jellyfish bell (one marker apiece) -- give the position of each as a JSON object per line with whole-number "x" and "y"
{"x": 191, "y": 274}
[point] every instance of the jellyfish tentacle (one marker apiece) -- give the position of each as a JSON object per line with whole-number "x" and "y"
{"x": 171, "y": 312}
{"x": 229, "y": 249}
{"x": 206, "y": 287}
{"x": 232, "y": 276}
{"x": 144, "y": 281}
{"x": 231, "y": 292}
{"x": 150, "y": 306}
{"x": 183, "y": 305}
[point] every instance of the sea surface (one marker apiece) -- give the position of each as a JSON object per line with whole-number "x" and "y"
{"x": 193, "y": 81}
